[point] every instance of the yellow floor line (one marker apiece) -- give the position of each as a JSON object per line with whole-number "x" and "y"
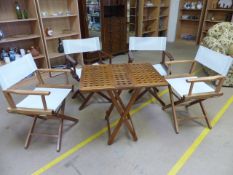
{"x": 91, "y": 138}
{"x": 188, "y": 153}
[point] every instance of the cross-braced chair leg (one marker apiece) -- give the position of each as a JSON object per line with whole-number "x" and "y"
{"x": 86, "y": 100}
{"x": 77, "y": 92}
{"x": 59, "y": 116}
{"x": 205, "y": 115}
{"x": 30, "y": 132}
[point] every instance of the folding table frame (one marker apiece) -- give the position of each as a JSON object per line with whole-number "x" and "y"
{"x": 114, "y": 79}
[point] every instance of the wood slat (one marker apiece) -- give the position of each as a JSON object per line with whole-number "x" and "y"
{"x": 119, "y": 76}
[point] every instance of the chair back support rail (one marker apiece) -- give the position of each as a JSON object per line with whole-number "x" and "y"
{"x": 149, "y": 44}
{"x": 73, "y": 46}
{"x": 16, "y": 71}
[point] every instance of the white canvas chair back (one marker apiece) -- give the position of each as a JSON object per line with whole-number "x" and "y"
{"x": 147, "y": 43}
{"x": 14, "y": 72}
{"x": 213, "y": 60}
{"x": 81, "y": 45}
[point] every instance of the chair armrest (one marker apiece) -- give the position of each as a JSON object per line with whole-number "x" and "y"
{"x": 71, "y": 60}
{"x": 179, "y": 62}
{"x": 59, "y": 86}
{"x": 168, "y": 55}
{"x": 25, "y": 92}
{"x": 54, "y": 70}
{"x": 206, "y": 79}
{"x": 130, "y": 57}
{"x": 104, "y": 54}
{"x": 28, "y": 92}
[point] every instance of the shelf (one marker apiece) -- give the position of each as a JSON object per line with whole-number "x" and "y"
{"x": 214, "y": 21}
{"x": 152, "y": 6}
{"x": 150, "y": 19}
{"x": 192, "y": 20}
{"x": 62, "y": 35}
{"x": 162, "y": 29}
{"x": 18, "y": 20}
{"x": 55, "y": 55}
{"x": 191, "y": 9}
{"x": 61, "y": 16}
{"x": 164, "y": 6}
{"x": 226, "y": 10}
{"x": 149, "y": 31}
{"x": 39, "y": 57}
{"x": 163, "y": 16}
{"x": 19, "y": 38}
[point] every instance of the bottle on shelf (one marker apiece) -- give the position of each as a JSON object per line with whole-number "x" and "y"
{"x": 1, "y": 35}
{"x": 60, "y": 46}
{"x": 18, "y": 10}
{"x": 12, "y": 54}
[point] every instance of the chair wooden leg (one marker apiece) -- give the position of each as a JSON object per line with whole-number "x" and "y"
{"x": 154, "y": 94}
{"x": 29, "y": 136}
{"x": 65, "y": 117}
{"x": 141, "y": 94}
{"x": 205, "y": 115}
{"x": 86, "y": 100}
{"x": 173, "y": 111}
{"x": 59, "y": 140}
{"x": 77, "y": 92}
{"x": 104, "y": 96}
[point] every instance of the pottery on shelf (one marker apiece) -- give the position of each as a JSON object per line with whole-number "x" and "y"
{"x": 199, "y": 5}
{"x": 1, "y": 35}
{"x": 35, "y": 52}
{"x": 49, "y": 31}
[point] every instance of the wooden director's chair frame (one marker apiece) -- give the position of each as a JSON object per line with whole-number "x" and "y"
{"x": 44, "y": 112}
{"x": 203, "y": 57}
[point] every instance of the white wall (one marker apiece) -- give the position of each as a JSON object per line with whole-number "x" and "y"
{"x": 172, "y": 23}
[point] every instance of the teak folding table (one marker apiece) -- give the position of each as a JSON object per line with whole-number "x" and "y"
{"x": 114, "y": 78}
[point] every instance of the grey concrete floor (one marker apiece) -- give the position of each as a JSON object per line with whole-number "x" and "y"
{"x": 158, "y": 147}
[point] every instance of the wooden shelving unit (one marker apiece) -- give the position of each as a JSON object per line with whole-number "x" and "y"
{"x": 62, "y": 16}
{"x": 153, "y": 17}
{"x": 132, "y": 17}
{"x": 190, "y": 22}
{"x": 148, "y": 17}
{"x": 22, "y": 33}
{"x": 214, "y": 15}
{"x": 163, "y": 17}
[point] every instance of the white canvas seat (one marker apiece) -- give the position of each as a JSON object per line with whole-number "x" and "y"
{"x": 75, "y": 46}
{"x": 161, "y": 69}
{"x": 190, "y": 89}
{"x": 181, "y": 86}
{"x": 53, "y": 100}
{"x": 46, "y": 101}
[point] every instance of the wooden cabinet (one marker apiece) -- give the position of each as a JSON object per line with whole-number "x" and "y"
{"x": 190, "y": 20}
{"x": 22, "y": 33}
{"x": 214, "y": 15}
{"x": 62, "y": 16}
{"x": 114, "y": 26}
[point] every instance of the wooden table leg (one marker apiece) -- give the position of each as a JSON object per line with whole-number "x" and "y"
{"x": 124, "y": 113}
{"x": 110, "y": 109}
